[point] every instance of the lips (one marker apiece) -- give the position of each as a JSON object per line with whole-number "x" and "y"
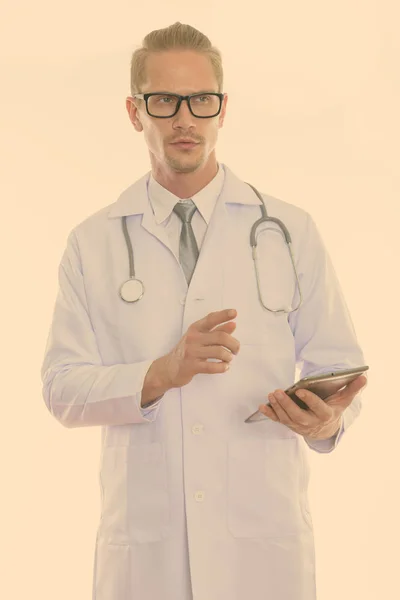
{"x": 185, "y": 145}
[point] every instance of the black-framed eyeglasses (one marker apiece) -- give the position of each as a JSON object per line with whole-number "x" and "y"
{"x": 165, "y": 106}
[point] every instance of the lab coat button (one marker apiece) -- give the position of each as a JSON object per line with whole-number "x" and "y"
{"x": 183, "y": 300}
{"x": 199, "y": 496}
{"x": 197, "y": 429}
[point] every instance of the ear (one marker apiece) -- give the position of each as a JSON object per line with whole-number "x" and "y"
{"x": 133, "y": 113}
{"x": 223, "y": 110}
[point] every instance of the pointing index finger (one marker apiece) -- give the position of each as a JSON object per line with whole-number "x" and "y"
{"x": 215, "y": 318}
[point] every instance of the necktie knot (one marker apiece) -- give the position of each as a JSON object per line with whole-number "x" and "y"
{"x": 185, "y": 210}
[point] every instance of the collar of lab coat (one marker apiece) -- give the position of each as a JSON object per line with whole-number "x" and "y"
{"x": 134, "y": 200}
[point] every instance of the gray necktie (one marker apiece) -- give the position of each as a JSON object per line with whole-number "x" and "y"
{"x": 188, "y": 251}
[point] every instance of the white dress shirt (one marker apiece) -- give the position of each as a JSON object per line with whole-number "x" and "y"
{"x": 163, "y": 201}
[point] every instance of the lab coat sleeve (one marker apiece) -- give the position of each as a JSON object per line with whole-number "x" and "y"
{"x": 323, "y": 331}
{"x": 149, "y": 409}
{"x": 78, "y": 389}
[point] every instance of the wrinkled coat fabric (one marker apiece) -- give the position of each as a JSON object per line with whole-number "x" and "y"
{"x": 195, "y": 503}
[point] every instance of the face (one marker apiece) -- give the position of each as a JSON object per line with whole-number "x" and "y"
{"x": 179, "y": 72}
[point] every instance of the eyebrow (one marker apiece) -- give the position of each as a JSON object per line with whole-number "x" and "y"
{"x": 176, "y": 93}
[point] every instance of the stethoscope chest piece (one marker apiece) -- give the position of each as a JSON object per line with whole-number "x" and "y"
{"x": 131, "y": 290}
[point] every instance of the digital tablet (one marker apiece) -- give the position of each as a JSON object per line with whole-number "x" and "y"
{"x": 322, "y": 385}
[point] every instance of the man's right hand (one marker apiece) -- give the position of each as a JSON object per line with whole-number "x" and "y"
{"x": 204, "y": 339}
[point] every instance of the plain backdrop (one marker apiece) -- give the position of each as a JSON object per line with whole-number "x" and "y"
{"x": 313, "y": 118}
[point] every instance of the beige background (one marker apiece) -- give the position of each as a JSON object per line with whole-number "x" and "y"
{"x": 322, "y": 133}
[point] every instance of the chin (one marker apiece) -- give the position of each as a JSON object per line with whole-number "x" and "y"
{"x": 185, "y": 166}
{"x": 185, "y": 163}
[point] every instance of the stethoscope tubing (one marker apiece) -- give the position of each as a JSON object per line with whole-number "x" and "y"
{"x": 138, "y": 284}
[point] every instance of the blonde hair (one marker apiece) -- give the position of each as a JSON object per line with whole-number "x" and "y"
{"x": 174, "y": 37}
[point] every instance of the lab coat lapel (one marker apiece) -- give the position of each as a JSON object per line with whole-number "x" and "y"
{"x": 134, "y": 201}
{"x": 216, "y": 243}
{"x": 207, "y": 282}
{"x": 157, "y": 230}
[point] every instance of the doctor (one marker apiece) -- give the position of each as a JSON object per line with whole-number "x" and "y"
{"x": 196, "y": 504}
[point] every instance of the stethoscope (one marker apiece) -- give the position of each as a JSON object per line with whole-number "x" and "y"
{"x": 132, "y": 290}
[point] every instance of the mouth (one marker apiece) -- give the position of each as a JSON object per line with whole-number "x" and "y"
{"x": 185, "y": 145}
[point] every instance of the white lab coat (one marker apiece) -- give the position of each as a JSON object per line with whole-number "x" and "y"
{"x": 195, "y": 503}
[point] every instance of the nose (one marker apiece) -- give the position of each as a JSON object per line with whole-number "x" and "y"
{"x": 184, "y": 116}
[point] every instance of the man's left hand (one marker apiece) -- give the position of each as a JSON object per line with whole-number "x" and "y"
{"x": 322, "y": 420}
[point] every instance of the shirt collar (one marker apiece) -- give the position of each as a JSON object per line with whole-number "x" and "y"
{"x": 134, "y": 199}
{"x": 163, "y": 201}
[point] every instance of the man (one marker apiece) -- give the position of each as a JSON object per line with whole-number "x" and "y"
{"x": 196, "y": 503}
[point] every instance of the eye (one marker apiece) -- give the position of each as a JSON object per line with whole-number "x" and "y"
{"x": 207, "y": 98}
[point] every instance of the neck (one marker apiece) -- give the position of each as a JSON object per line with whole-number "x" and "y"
{"x": 183, "y": 184}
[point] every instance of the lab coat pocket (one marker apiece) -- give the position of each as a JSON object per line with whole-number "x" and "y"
{"x": 265, "y": 488}
{"x": 135, "y": 495}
